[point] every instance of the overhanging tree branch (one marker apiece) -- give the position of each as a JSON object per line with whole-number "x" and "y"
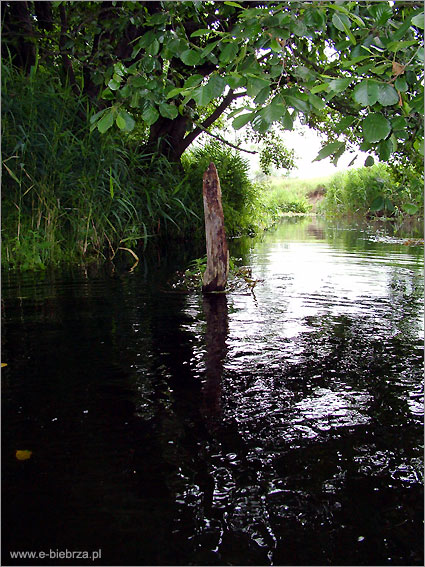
{"x": 228, "y": 99}
{"x": 222, "y": 140}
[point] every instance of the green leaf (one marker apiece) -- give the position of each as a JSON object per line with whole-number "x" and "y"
{"x": 217, "y": 85}
{"x": 150, "y": 115}
{"x": 387, "y": 95}
{"x": 369, "y": 161}
{"x": 299, "y": 28}
{"x": 255, "y": 85}
{"x": 107, "y": 94}
{"x": 235, "y": 80}
{"x": 399, "y": 33}
{"x": 242, "y": 120}
{"x": 199, "y": 33}
{"x": 273, "y": 111}
{"x": 111, "y": 183}
{"x": 315, "y": 18}
{"x": 234, "y": 4}
{"x": 399, "y": 123}
{"x": 190, "y": 57}
{"x": 297, "y": 103}
{"x": 138, "y": 82}
{"x": 262, "y": 96}
{"x": 385, "y": 149}
{"x": 366, "y": 93}
{"x": 207, "y": 50}
{"x": 145, "y": 40}
{"x": 168, "y": 110}
{"x": 319, "y": 88}
{"x": 344, "y": 123}
{"x": 397, "y": 45}
{"x": 288, "y": 121}
{"x": 229, "y": 52}
{"x": 410, "y": 208}
{"x": 328, "y": 150}
{"x": 418, "y": 21}
{"x": 381, "y": 12}
{"x": 377, "y": 204}
{"x": 153, "y": 47}
{"x": 351, "y": 62}
{"x": 375, "y": 127}
{"x": 202, "y": 95}
{"x": 388, "y": 205}
{"x": 97, "y": 115}
{"x": 113, "y": 85}
{"x": 12, "y": 175}
{"x": 380, "y": 69}
{"x": 417, "y": 103}
{"x": 192, "y": 81}
{"x": 339, "y": 85}
{"x": 341, "y": 22}
{"x": 125, "y": 121}
{"x": 275, "y": 46}
{"x": 106, "y": 121}
{"x": 119, "y": 69}
{"x": 317, "y": 102}
{"x": 175, "y": 92}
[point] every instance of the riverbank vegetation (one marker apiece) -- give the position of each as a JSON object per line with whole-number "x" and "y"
{"x": 102, "y": 104}
{"x": 373, "y": 191}
{"x": 379, "y": 190}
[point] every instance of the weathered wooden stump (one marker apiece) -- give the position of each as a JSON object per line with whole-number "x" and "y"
{"x": 215, "y": 276}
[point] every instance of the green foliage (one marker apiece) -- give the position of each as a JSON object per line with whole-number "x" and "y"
{"x": 72, "y": 194}
{"x": 241, "y": 197}
{"x": 155, "y": 63}
{"x": 290, "y": 195}
{"x": 239, "y": 278}
{"x": 372, "y": 191}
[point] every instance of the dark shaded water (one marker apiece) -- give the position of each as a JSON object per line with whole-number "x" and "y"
{"x": 278, "y": 428}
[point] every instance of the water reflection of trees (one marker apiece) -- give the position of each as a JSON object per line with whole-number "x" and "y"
{"x": 187, "y": 456}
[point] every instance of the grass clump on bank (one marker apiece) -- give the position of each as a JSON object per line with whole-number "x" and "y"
{"x": 373, "y": 191}
{"x": 245, "y": 210}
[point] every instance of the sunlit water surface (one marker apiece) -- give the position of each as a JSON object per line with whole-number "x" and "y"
{"x": 281, "y": 426}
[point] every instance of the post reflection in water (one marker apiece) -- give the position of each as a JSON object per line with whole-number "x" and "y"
{"x": 216, "y": 314}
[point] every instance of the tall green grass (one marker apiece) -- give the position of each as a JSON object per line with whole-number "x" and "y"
{"x": 69, "y": 194}
{"x": 373, "y": 191}
{"x": 244, "y": 208}
{"x": 288, "y": 195}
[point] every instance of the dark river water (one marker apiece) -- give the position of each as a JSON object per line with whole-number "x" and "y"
{"x": 281, "y": 426}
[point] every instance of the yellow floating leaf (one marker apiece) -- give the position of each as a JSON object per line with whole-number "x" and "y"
{"x": 23, "y": 455}
{"x": 3, "y": 364}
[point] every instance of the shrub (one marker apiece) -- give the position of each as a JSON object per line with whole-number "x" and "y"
{"x": 242, "y": 205}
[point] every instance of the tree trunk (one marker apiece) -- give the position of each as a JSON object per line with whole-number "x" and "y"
{"x": 166, "y": 137}
{"x": 215, "y": 276}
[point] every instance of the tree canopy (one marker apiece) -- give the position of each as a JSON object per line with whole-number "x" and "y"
{"x": 170, "y": 70}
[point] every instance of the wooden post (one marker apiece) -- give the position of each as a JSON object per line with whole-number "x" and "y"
{"x": 215, "y": 276}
